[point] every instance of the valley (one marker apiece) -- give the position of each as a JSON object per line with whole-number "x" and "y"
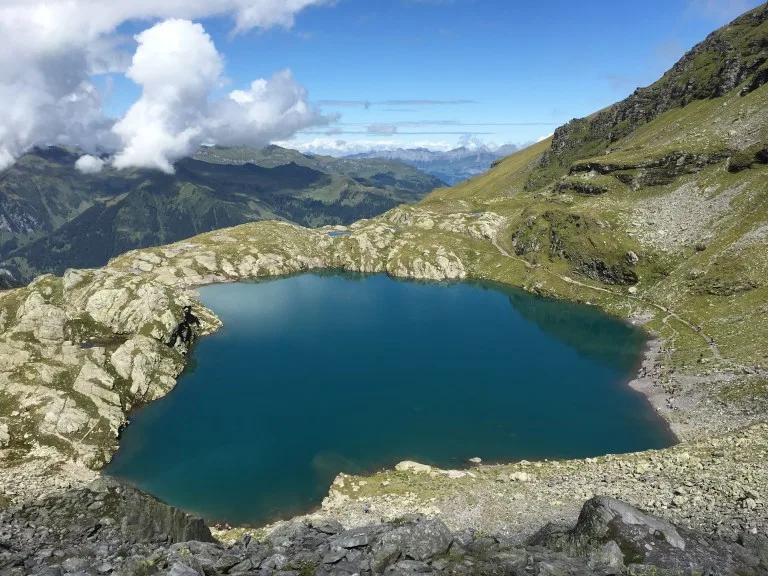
{"x": 55, "y": 217}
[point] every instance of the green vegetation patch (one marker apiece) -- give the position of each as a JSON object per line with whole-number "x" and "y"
{"x": 744, "y": 159}
{"x": 589, "y": 245}
{"x": 729, "y": 274}
{"x": 745, "y": 390}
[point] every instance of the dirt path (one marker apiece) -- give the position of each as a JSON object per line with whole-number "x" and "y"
{"x": 670, "y": 313}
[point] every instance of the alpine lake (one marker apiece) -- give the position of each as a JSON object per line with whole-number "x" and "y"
{"x": 318, "y": 374}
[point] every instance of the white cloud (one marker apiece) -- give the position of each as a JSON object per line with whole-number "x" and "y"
{"x": 51, "y": 48}
{"x": 382, "y": 129}
{"x": 166, "y": 122}
{"x": 89, "y": 164}
{"x": 175, "y": 115}
{"x": 336, "y": 147}
{"x": 5, "y": 159}
{"x": 272, "y": 109}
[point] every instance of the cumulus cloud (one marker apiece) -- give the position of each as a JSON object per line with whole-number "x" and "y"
{"x": 175, "y": 115}
{"x": 89, "y": 164}
{"x": 52, "y": 48}
{"x": 177, "y": 66}
{"x": 272, "y": 109}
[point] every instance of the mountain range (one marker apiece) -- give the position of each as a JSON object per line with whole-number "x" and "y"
{"x": 53, "y": 217}
{"x": 452, "y": 166}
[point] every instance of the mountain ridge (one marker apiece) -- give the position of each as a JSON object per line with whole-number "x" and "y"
{"x": 53, "y": 217}
{"x": 735, "y": 55}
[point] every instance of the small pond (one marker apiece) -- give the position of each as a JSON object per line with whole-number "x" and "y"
{"x": 317, "y": 374}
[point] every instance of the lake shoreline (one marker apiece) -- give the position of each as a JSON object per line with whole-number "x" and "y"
{"x": 645, "y": 382}
{"x": 606, "y": 351}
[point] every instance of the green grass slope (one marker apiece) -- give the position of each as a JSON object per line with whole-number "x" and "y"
{"x": 671, "y": 211}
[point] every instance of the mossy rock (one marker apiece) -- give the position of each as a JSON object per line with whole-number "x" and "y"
{"x": 745, "y": 159}
{"x": 590, "y": 247}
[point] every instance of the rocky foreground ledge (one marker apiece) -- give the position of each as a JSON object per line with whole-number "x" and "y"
{"x": 110, "y": 528}
{"x": 715, "y": 486}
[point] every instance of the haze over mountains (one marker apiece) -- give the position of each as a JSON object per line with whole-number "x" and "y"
{"x": 53, "y": 216}
{"x": 452, "y": 166}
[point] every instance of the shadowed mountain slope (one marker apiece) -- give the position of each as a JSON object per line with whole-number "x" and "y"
{"x": 53, "y": 217}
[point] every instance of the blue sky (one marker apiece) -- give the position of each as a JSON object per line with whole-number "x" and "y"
{"x": 436, "y": 72}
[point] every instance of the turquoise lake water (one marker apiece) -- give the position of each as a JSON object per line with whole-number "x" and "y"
{"x": 317, "y": 374}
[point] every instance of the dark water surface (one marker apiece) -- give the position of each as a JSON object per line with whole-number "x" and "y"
{"x": 317, "y": 374}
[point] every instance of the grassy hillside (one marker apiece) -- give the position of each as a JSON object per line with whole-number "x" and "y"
{"x": 670, "y": 209}
{"x": 52, "y": 217}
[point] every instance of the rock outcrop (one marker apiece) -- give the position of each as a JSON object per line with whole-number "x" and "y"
{"x": 78, "y": 352}
{"x": 109, "y": 528}
{"x": 730, "y": 57}
{"x": 612, "y": 533}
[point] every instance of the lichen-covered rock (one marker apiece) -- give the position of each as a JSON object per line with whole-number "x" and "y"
{"x": 12, "y": 355}
{"x": 126, "y": 303}
{"x": 5, "y": 435}
{"x": 97, "y": 385}
{"x": 62, "y": 416}
{"x": 148, "y": 365}
{"x": 76, "y": 353}
{"x": 43, "y": 320}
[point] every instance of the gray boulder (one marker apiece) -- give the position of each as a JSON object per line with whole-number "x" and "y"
{"x": 114, "y": 529}
{"x": 611, "y": 533}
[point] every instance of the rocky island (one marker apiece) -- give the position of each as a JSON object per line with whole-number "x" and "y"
{"x": 654, "y": 210}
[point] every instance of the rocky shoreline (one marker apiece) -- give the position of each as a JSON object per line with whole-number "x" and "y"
{"x": 646, "y": 383}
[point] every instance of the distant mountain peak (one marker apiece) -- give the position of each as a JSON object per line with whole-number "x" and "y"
{"x": 451, "y": 166}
